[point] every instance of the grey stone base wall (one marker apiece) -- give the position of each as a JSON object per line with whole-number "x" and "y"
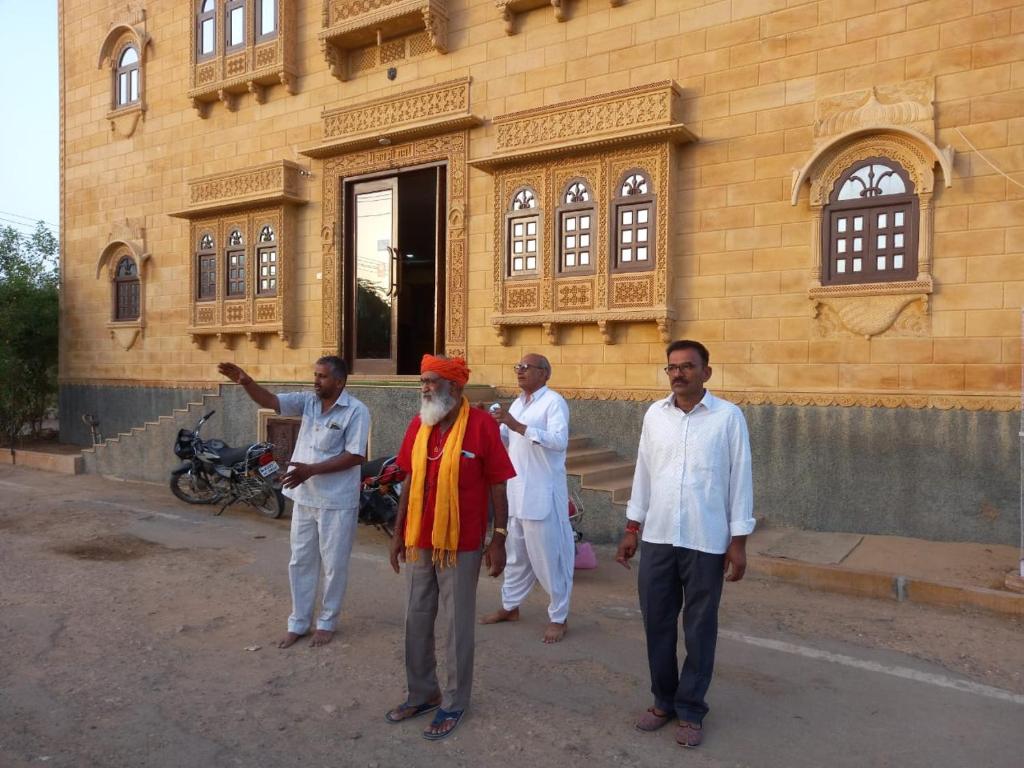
{"x": 117, "y": 408}
{"x": 942, "y": 475}
{"x": 932, "y": 474}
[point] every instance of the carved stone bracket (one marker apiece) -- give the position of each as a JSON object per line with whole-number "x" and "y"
{"x": 867, "y": 316}
{"x": 350, "y": 24}
{"x": 605, "y": 322}
{"x": 125, "y": 333}
{"x": 509, "y": 9}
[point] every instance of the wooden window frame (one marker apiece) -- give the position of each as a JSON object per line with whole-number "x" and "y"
{"x": 230, "y": 6}
{"x": 126, "y": 71}
{"x": 524, "y": 215}
{"x": 127, "y": 291}
{"x": 574, "y": 211}
{"x": 262, "y": 246}
{"x": 234, "y": 273}
{"x": 258, "y": 9}
{"x": 201, "y": 18}
{"x": 206, "y": 258}
{"x": 870, "y": 208}
{"x": 637, "y": 202}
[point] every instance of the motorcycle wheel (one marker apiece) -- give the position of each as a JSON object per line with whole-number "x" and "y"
{"x": 270, "y": 502}
{"x": 193, "y": 488}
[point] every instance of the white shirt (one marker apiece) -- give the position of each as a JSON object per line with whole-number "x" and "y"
{"x": 538, "y": 456}
{"x": 344, "y": 427}
{"x": 693, "y": 485}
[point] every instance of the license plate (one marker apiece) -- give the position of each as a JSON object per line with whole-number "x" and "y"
{"x": 268, "y": 469}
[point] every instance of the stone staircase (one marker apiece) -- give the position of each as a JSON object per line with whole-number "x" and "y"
{"x": 603, "y": 480}
{"x": 146, "y": 453}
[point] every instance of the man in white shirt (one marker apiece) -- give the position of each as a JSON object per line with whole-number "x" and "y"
{"x": 693, "y": 498}
{"x": 323, "y": 481}
{"x": 540, "y": 547}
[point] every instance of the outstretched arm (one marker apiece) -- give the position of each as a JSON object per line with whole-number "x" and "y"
{"x": 259, "y": 395}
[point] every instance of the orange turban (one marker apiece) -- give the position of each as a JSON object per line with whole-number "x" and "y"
{"x": 453, "y": 369}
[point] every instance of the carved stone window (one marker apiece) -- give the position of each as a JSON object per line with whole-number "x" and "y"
{"x": 576, "y": 218}
{"x": 632, "y": 216}
{"x": 123, "y": 52}
{"x": 236, "y": 263}
{"x": 870, "y": 225}
{"x": 241, "y": 46}
{"x": 126, "y": 289}
{"x": 126, "y": 78}
{"x": 206, "y": 268}
{"x": 522, "y": 238}
{"x": 206, "y": 29}
{"x": 266, "y": 20}
{"x": 234, "y": 24}
{"x": 266, "y": 259}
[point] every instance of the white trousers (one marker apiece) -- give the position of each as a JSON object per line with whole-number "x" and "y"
{"x": 319, "y": 537}
{"x": 544, "y": 551}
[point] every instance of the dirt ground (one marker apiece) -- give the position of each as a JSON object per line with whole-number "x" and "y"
{"x": 138, "y": 631}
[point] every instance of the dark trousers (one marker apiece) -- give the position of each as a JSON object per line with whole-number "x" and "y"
{"x": 670, "y": 577}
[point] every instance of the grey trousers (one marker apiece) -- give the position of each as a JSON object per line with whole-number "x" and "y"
{"x": 454, "y": 591}
{"x": 669, "y": 579}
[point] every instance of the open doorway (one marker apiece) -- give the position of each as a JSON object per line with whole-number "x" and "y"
{"x": 395, "y": 267}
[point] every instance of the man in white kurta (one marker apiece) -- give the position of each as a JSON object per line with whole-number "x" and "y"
{"x": 535, "y": 428}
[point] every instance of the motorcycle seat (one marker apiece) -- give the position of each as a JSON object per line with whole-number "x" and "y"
{"x": 230, "y": 456}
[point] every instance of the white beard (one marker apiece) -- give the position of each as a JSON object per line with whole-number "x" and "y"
{"x": 433, "y": 409}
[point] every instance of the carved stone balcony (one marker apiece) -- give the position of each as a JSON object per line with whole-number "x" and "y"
{"x": 351, "y": 24}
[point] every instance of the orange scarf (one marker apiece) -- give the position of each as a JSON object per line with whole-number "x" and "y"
{"x": 444, "y": 535}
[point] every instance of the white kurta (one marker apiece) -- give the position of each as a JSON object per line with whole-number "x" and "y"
{"x": 540, "y": 541}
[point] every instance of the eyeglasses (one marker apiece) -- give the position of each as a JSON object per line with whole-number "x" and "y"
{"x": 684, "y": 368}
{"x": 523, "y": 367}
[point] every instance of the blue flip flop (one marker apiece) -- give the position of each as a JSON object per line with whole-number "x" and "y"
{"x": 416, "y": 711}
{"x": 439, "y": 719}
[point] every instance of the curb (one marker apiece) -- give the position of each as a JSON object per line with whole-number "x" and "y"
{"x": 848, "y": 581}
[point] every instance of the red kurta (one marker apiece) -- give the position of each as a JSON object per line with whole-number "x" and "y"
{"x": 484, "y": 463}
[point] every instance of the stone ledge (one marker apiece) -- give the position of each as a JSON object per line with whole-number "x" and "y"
{"x": 62, "y": 463}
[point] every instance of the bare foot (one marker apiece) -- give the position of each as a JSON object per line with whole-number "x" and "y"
{"x": 290, "y": 639}
{"x": 555, "y": 632}
{"x": 501, "y": 615}
{"x": 321, "y": 637}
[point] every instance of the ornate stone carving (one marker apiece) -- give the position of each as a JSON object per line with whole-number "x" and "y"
{"x": 871, "y": 315}
{"x": 258, "y": 67}
{"x": 908, "y": 103}
{"x": 641, "y": 114}
{"x": 522, "y": 298}
{"x": 205, "y": 316}
{"x": 578, "y": 294}
{"x": 277, "y": 182}
{"x": 451, "y": 148}
{"x": 351, "y": 24}
{"x": 632, "y": 292}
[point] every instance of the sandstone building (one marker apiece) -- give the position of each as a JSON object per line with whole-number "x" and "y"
{"x": 827, "y": 193}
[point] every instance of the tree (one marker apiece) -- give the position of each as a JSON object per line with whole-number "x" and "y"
{"x": 29, "y": 311}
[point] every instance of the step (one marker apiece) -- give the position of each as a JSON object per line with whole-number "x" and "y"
{"x": 583, "y": 457}
{"x": 620, "y": 490}
{"x": 618, "y": 471}
{"x": 63, "y": 463}
{"x": 576, "y": 443}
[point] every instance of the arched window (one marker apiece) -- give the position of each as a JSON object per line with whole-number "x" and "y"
{"x": 236, "y": 263}
{"x": 266, "y": 21}
{"x": 522, "y": 238}
{"x": 234, "y": 26}
{"x": 870, "y": 232}
{"x": 577, "y": 225}
{"x": 633, "y": 222}
{"x": 126, "y": 78}
{"x": 266, "y": 258}
{"x": 206, "y": 29}
{"x": 206, "y": 268}
{"x": 126, "y": 289}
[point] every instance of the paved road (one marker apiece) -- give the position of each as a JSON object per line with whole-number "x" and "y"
{"x": 126, "y": 618}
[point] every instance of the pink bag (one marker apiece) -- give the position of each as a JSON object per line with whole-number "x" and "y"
{"x": 586, "y": 558}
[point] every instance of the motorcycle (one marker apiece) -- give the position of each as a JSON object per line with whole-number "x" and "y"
{"x": 213, "y": 472}
{"x": 379, "y": 493}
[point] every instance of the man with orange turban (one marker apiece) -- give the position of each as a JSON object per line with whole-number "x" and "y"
{"x": 456, "y": 464}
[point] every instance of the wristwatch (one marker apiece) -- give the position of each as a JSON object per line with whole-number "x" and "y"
{"x": 502, "y": 531}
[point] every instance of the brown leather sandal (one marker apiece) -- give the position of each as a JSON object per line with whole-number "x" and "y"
{"x": 651, "y": 720}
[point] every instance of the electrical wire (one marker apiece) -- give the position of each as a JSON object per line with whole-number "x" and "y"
{"x": 31, "y": 221}
{"x": 992, "y": 165}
